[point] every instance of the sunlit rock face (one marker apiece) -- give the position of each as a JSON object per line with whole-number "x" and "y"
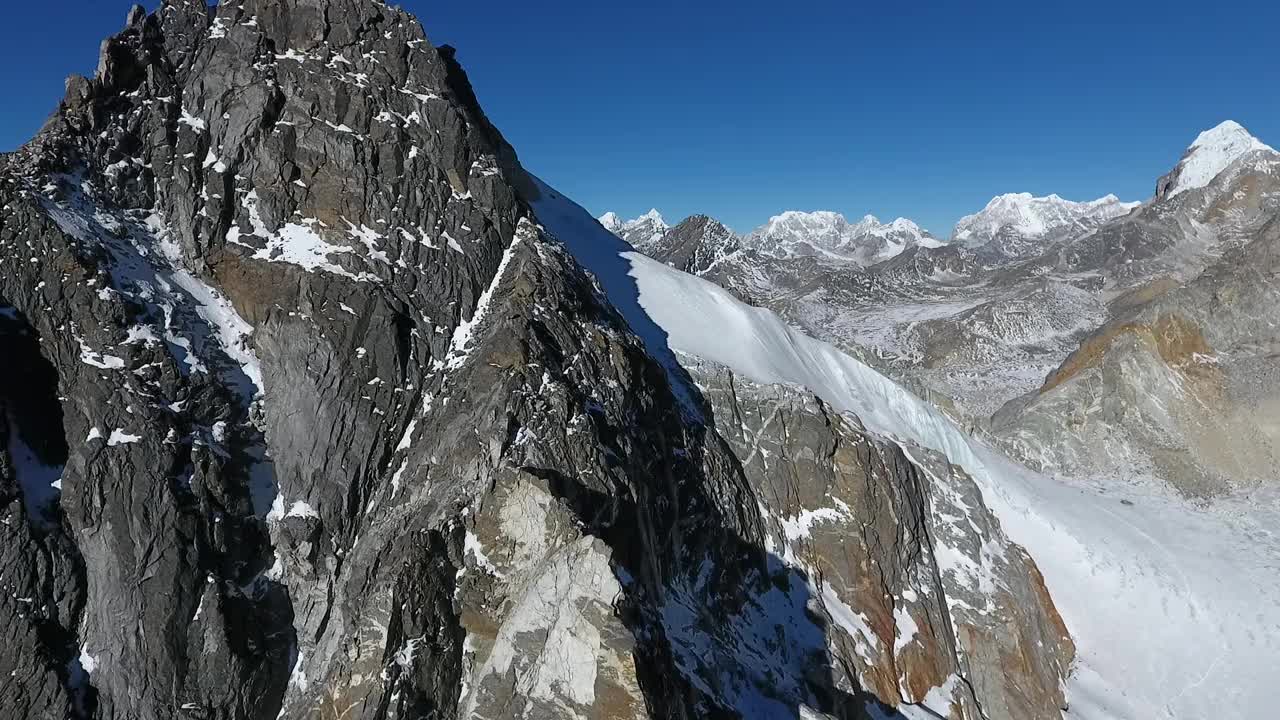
{"x": 310, "y": 409}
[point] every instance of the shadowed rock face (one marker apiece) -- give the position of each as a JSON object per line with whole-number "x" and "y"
{"x": 338, "y": 430}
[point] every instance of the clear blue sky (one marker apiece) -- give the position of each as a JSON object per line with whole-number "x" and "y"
{"x": 745, "y": 109}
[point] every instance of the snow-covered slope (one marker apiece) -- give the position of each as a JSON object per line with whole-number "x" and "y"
{"x": 1210, "y": 154}
{"x": 868, "y": 241}
{"x": 1172, "y": 606}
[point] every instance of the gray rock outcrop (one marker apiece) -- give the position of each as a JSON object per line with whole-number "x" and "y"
{"x": 303, "y": 414}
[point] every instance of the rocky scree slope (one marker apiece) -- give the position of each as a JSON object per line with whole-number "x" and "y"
{"x": 307, "y": 414}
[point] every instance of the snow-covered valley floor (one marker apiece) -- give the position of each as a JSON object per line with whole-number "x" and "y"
{"x": 1174, "y": 607}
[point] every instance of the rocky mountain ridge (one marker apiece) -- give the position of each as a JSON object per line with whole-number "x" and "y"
{"x": 313, "y": 411}
{"x": 695, "y": 245}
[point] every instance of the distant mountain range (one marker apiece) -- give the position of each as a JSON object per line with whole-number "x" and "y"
{"x": 982, "y": 322}
{"x": 1010, "y": 226}
{"x": 1018, "y": 225}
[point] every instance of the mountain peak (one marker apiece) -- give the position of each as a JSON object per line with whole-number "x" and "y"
{"x": 1212, "y": 152}
{"x": 792, "y": 216}
{"x": 641, "y": 231}
{"x": 827, "y": 233}
{"x": 1224, "y": 131}
{"x": 610, "y": 221}
{"x": 612, "y": 218}
{"x": 1025, "y": 215}
{"x": 695, "y": 244}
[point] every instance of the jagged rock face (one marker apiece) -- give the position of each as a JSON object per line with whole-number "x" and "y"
{"x": 695, "y": 245}
{"x": 212, "y": 163}
{"x": 303, "y": 414}
{"x": 917, "y": 582}
{"x": 42, "y": 570}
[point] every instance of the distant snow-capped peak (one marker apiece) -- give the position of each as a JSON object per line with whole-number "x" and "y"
{"x": 640, "y": 232}
{"x": 1032, "y": 217}
{"x": 871, "y": 225}
{"x": 611, "y": 221}
{"x": 652, "y": 216}
{"x": 822, "y": 232}
{"x": 1211, "y": 153}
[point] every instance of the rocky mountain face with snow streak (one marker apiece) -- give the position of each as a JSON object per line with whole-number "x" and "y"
{"x": 695, "y": 245}
{"x": 878, "y": 523}
{"x": 309, "y": 409}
